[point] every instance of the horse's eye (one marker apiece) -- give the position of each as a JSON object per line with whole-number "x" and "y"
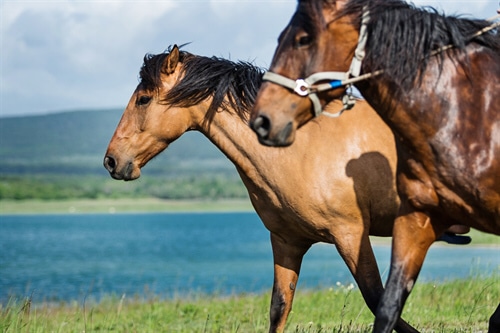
{"x": 304, "y": 40}
{"x": 143, "y": 100}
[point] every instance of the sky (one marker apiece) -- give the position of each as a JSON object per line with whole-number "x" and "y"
{"x": 63, "y": 55}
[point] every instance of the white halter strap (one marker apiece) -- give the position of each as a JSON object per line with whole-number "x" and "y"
{"x": 307, "y": 87}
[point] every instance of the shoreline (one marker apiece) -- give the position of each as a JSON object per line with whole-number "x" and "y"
{"x": 119, "y": 206}
{"x": 155, "y": 205}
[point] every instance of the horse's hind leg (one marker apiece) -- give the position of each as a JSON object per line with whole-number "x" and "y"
{"x": 358, "y": 254}
{"x": 413, "y": 234}
{"x": 494, "y": 324}
{"x": 287, "y": 261}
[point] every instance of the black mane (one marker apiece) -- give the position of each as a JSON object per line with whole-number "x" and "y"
{"x": 402, "y": 38}
{"x": 204, "y": 77}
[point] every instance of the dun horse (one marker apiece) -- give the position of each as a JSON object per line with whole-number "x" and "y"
{"x": 435, "y": 80}
{"x": 307, "y": 193}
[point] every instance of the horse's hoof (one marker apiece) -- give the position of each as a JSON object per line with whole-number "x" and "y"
{"x": 455, "y": 239}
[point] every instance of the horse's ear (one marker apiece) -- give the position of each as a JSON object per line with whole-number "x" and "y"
{"x": 339, "y": 4}
{"x": 331, "y": 8}
{"x": 171, "y": 61}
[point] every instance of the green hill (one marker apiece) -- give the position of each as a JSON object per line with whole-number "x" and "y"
{"x": 65, "y": 150}
{"x": 75, "y": 142}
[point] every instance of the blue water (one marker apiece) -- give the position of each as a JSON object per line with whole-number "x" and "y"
{"x": 69, "y": 257}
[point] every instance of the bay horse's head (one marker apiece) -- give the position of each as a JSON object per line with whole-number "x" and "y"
{"x": 281, "y": 107}
{"x": 178, "y": 92}
{"x": 141, "y": 134}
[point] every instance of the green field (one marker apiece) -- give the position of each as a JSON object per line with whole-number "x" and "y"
{"x": 452, "y": 306}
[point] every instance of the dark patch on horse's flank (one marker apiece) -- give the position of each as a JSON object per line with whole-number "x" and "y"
{"x": 372, "y": 172}
{"x": 394, "y": 46}
{"x": 205, "y": 77}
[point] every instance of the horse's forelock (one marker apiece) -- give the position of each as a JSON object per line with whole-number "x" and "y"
{"x": 151, "y": 69}
{"x": 310, "y": 13}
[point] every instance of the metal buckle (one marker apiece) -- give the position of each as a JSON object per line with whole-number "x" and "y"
{"x": 301, "y": 87}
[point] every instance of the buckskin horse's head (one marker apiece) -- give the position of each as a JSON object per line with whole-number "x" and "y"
{"x": 141, "y": 134}
{"x": 281, "y": 107}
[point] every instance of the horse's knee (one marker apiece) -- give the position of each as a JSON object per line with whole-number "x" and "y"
{"x": 413, "y": 234}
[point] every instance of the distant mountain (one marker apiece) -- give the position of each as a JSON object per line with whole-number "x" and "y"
{"x": 75, "y": 143}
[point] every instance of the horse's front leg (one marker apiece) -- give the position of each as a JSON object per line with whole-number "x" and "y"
{"x": 287, "y": 261}
{"x": 413, "y": 234}
{"x": 356, "y": 250}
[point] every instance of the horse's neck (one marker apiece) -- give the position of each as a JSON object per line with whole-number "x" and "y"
{"x": 378, "y": 95}
{"x": 425, "y": 100}
{"x": 233, "y": 136}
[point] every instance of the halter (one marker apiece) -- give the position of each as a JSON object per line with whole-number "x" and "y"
{"x": 309, "y": 87}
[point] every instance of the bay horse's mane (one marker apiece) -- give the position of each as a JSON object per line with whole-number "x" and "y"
{"x": 403, "y": 50}
{"x": 230, "y": 84}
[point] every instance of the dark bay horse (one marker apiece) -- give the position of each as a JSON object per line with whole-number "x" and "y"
{"x": 307, "y": 193}
{"x": 434, "y": 80}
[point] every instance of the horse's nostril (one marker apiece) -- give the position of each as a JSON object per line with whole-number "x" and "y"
{"x": 109, "y": 163}
{"x": 261, "y": 126}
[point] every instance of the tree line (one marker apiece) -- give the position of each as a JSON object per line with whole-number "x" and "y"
{"x": 56, "y": 187}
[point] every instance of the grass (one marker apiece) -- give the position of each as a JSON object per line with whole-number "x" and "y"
{"x": 458, "y": 306}
{"x": 461, "y": 306}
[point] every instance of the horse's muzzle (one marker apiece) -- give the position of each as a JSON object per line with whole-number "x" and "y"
{"x": 261, "y": 125}
{"x": 125, "y": 173}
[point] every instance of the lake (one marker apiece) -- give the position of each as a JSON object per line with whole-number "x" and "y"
{"x": 69, "y": 257}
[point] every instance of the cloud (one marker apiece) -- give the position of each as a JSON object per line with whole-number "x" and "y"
{"x": 471, "y": 8}
{"x": 63, "y": 54}
{"x": 86, "y": 54}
